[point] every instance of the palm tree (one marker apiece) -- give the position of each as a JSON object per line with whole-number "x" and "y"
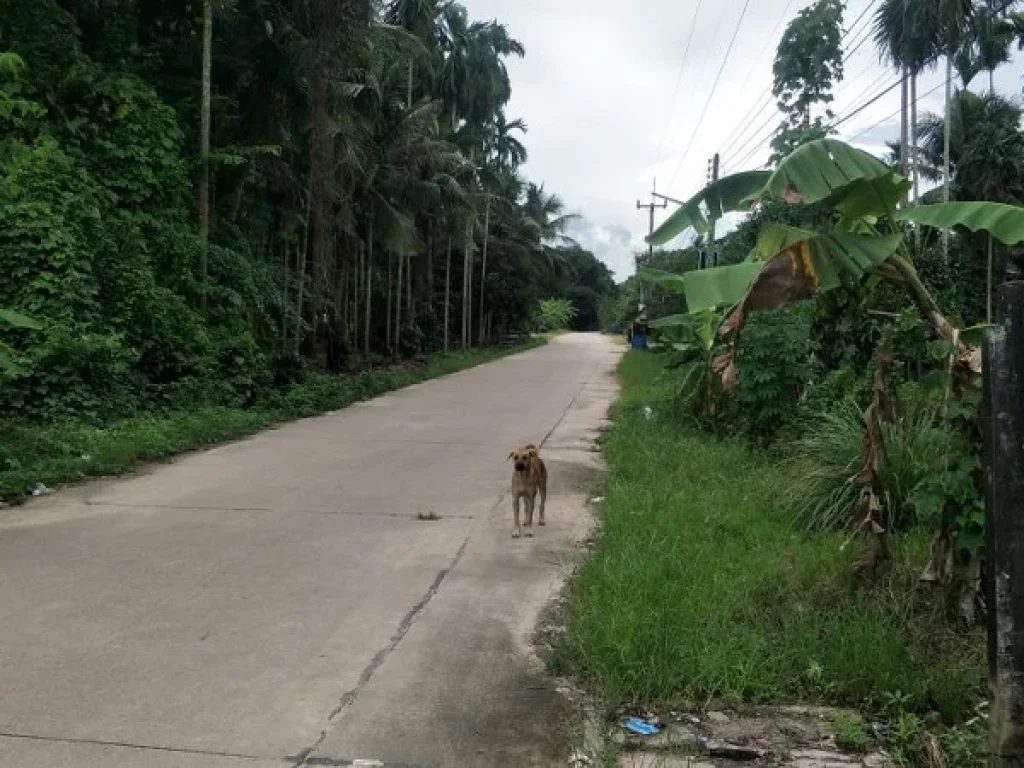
{"x": 905, "y": 32}
{"x": 419, "y": 18}
{"x": 986, "y": 154}
{"x": 500, "y": 185}
{"x": 501, "y": 146}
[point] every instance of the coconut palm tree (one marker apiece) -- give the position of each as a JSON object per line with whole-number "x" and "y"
{"x": 905, "y": 32}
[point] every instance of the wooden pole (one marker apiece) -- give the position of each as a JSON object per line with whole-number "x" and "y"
{"x": 1004, "y": 414}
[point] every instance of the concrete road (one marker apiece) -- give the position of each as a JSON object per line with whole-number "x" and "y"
{"x": 277, "y": 601}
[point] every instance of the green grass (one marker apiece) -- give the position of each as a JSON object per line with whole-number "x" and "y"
{"x": 61, "y": 453}
{"x": 703, "y": 588}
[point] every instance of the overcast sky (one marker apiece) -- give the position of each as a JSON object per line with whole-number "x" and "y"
{"x": 598, "y": 90}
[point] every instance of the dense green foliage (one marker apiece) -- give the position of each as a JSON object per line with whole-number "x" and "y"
{"x": 364, "y": 195}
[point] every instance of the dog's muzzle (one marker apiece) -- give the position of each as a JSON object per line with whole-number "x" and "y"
{"x": 521, "y": 466}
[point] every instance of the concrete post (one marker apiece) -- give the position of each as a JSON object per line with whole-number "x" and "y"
{"x": 1004, "y": 413}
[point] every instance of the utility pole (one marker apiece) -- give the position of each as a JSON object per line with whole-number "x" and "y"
{"x": 651, "y": 208}
{"x": 1004, "y": 545}
{"x": 713, "y": 164}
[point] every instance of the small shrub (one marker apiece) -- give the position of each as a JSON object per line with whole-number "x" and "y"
{"x": 850, "y": 733}
{"x": 827, "y": 459}
{"x": 553, "y": 315}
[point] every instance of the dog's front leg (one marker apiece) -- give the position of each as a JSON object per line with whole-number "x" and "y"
{"x": 515, "y": 507}
{"x": 529, "y": 514}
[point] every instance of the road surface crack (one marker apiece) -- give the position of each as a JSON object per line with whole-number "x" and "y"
{"x": 129, "y": 745}
{"x": 349, "y": 697}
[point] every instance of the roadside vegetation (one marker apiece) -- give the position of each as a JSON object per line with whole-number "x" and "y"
{"x": 42, "y": 456}
{"x": 794, "y": 507}
{"x": 194, "y": 238}
{"x": 704, "y": 587}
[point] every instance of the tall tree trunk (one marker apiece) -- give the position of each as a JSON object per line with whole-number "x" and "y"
{"x": 285, "y": 292}
{"x": 467, "y": 284}
{"x": 204, "y": 147}
{"x": 398, "y": 307}
{"x": 905, "y": 128}
{"x": 946, "y": 141}
{"x": 387, "y": 307}
{"x": 321, "y": 177}
{"x": 301, "y": 290}
{"x": 430, "y": 268}
{"x": 483, "y": 269}
{"x": 914, "y": 155}
{"x": 447, "y": 292}
{"x": 369, "y": 295}
{"x": 409, "y": 315}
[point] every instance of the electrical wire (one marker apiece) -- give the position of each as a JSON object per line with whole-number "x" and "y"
{"x": 714, "y": 88}
{"x": 767, "y": 44}
{"x": 679, "y": 81}
{"x": 734, "y": 139}
{"x": 840, "y": 120}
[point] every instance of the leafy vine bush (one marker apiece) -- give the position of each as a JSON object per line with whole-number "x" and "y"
{"x": 776, "y": 366}
{"x": 97, "y": 244}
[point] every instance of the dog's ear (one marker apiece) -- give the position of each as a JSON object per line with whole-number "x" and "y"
{"x": 511, "y": 454}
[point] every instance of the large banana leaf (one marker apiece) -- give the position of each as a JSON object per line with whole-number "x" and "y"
{"x": 670, "y": 281}
{"x": 700, "y": 327}
{"x": 709, "y": 289}
{"x": 1003, "y": 222}
{"x": 827, "y": 170}
{"x": 731, "y": 193}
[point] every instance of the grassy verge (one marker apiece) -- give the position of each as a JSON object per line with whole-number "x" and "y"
{"x": 702, "y": 589}
{"x": 61, "y": 453}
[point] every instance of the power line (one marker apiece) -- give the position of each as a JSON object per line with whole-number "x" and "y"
{"x": 831, "y": 126}
{"x": 871, "y": 86}
{"x": 679, "y": 80}
{"x": 761, "y": 127}
{"x": 898, "y": 111}
{"x": 750, "y": 74}
{"x": 853, "y": 26}
{"x": 714, "y": 87}
{"x": 731, "y": 142}
{"x": 756, "y": 136}
{"x": 862, "y": 107}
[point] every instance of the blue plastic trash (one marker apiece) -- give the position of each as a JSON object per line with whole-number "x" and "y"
{"x": 642, "y": 727}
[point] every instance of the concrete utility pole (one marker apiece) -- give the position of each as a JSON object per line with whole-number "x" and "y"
{"x": 1004, "y": 492}
{"x": 713, "y": 165}
{"x": 651, "y": 208}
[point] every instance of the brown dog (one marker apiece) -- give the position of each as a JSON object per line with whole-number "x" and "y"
{"x": 529, "y": 476}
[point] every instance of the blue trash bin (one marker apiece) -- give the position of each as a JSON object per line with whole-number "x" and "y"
{"x": 639, "y": 341}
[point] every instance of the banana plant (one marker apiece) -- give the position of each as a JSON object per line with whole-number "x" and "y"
{"x": 864, "y": 242}
{"x": 694, "y": 341}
